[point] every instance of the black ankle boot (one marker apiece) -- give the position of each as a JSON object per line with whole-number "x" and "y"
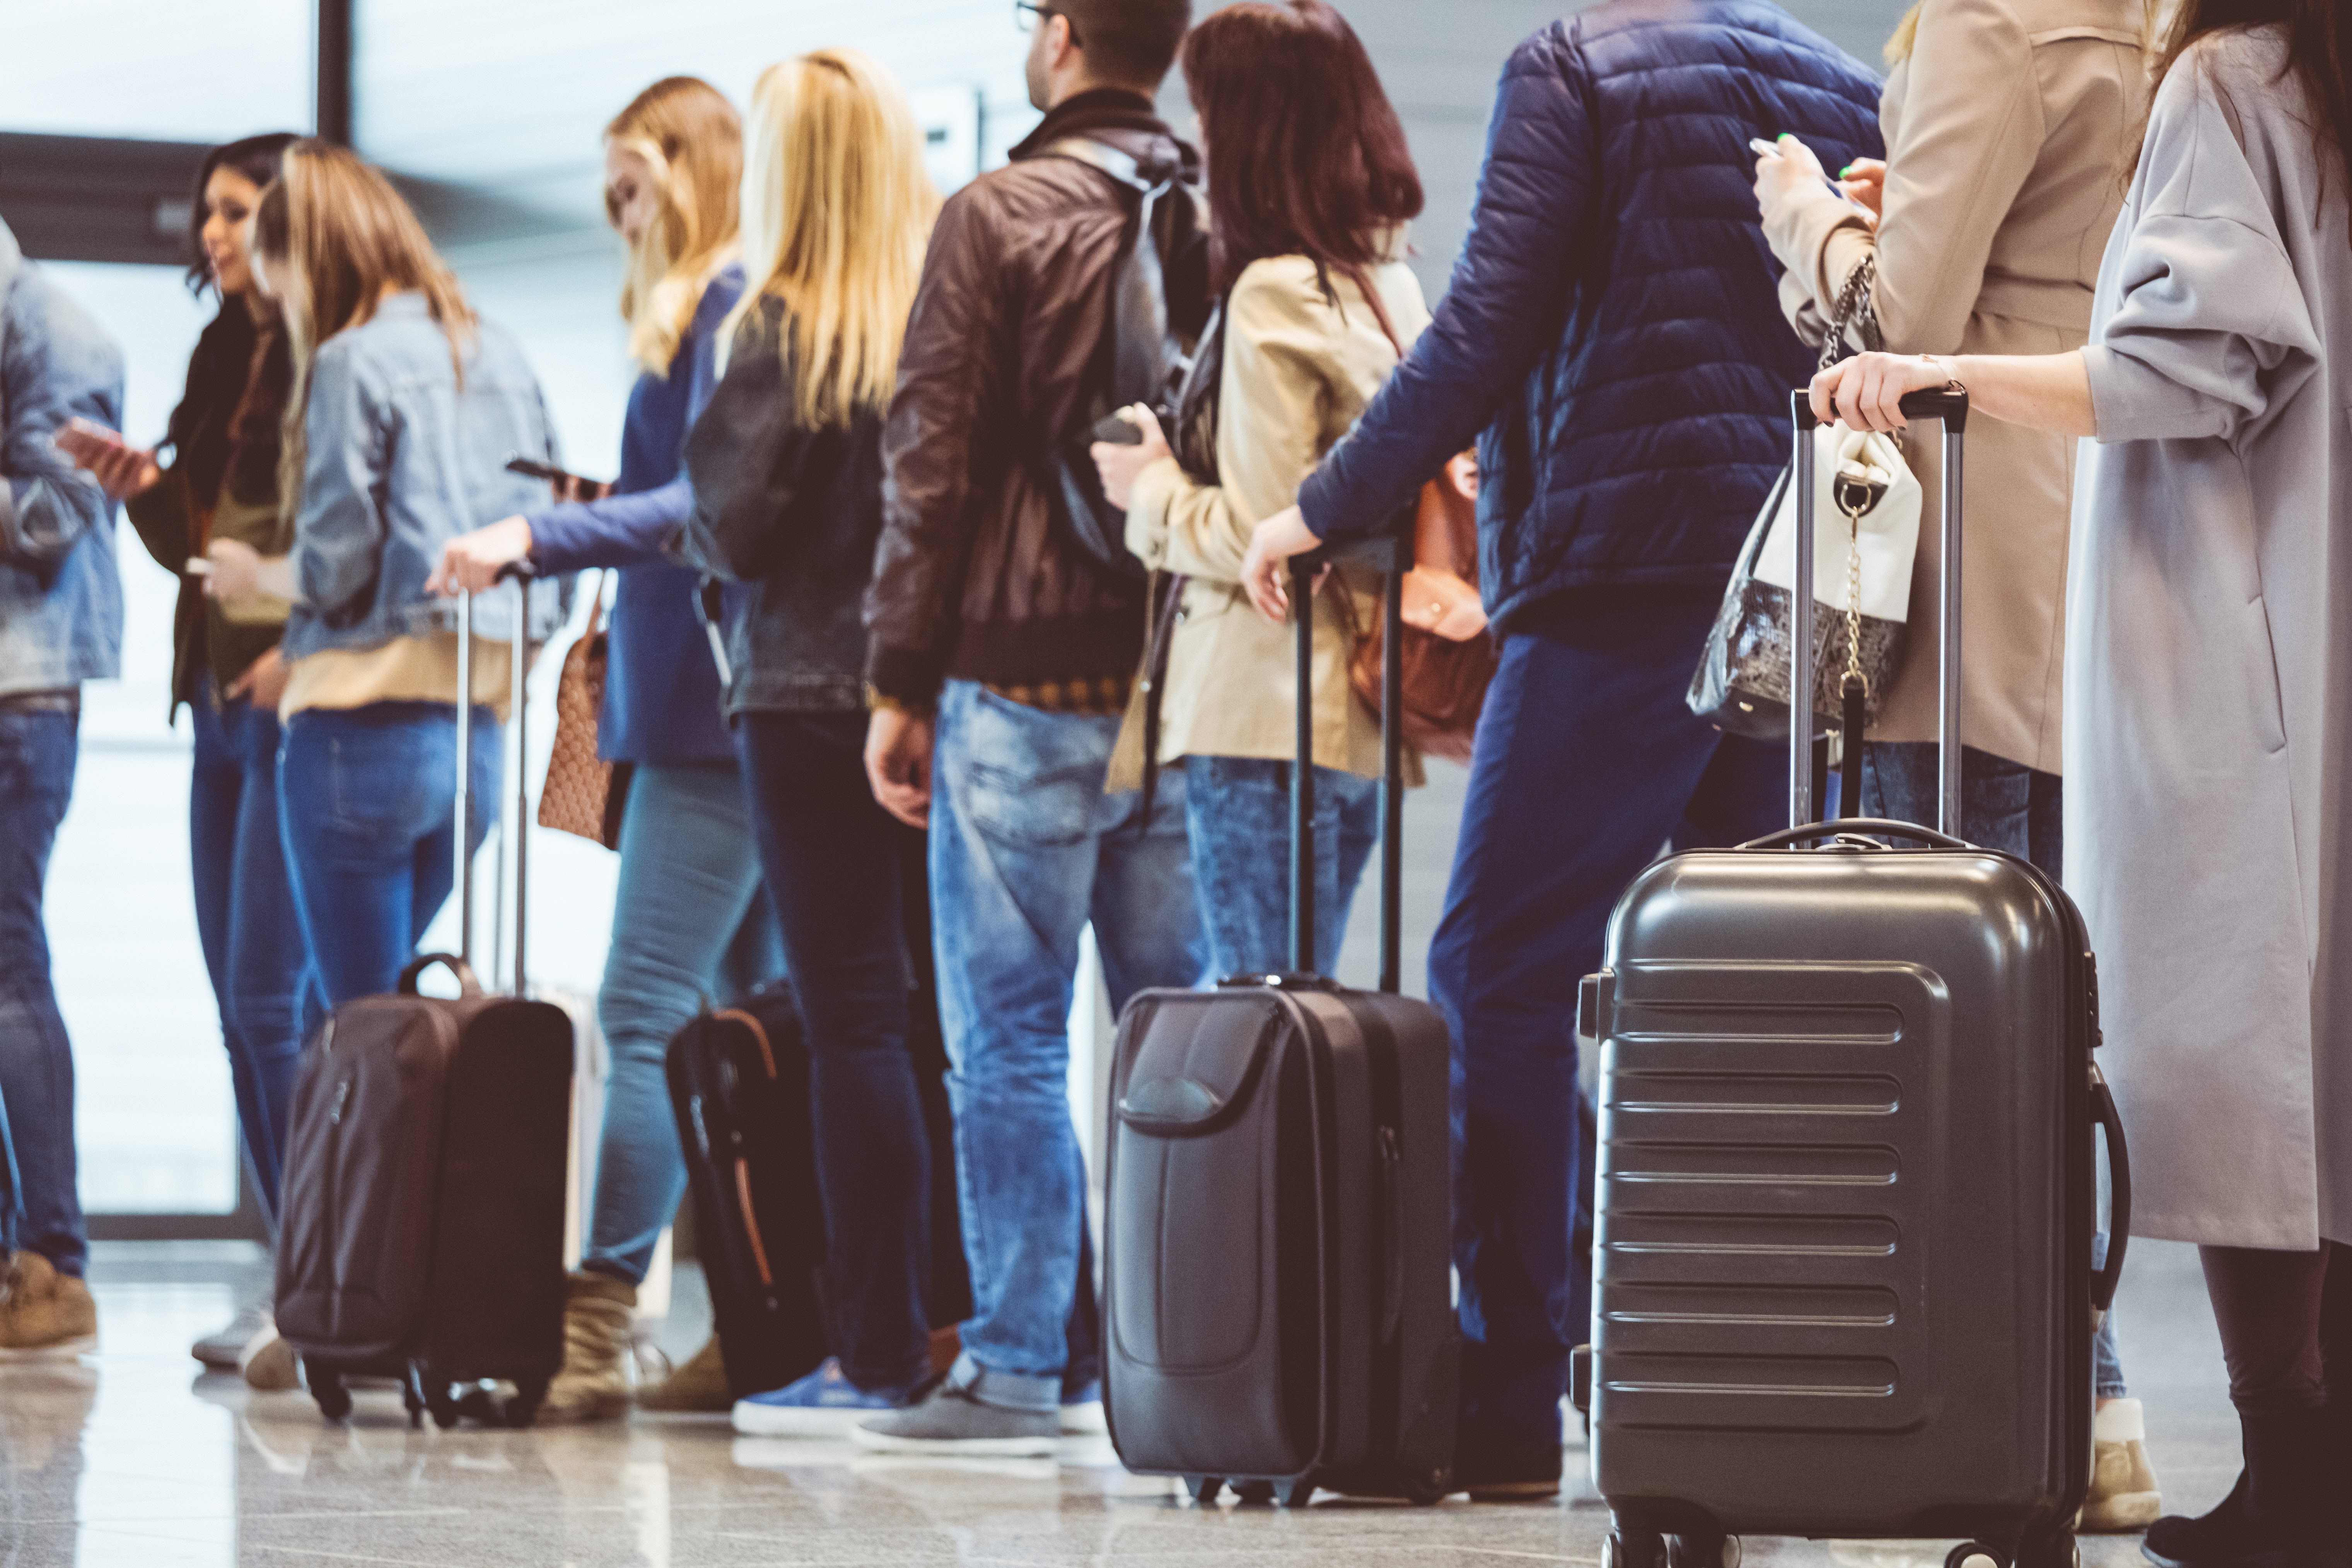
{"x": 2285, "y": 1510}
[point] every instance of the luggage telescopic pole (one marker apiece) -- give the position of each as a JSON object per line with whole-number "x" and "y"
{"x": 1800, "y": 627}
{"x": 1302, "y": 776}
{"x": 465, "y": 869}
{"x": 519, "y": 662}
{"x": 1948, "y": 722}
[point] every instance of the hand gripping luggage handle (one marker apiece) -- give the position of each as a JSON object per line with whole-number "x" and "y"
{"x": 466, "y": 984}
{"x": 521, "y": 573}
{"x": 1949, "y": 405}
{"x": 1390, "y": 553}
{"x": 2103, "y": 1108}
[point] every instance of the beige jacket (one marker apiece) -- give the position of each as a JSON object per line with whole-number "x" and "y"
{"x": 1300, "y": 367}
{"x": 2007, "y": 132}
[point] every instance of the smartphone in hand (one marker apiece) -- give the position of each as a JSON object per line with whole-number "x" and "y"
{"x": 568, "y": 485}
{"x": 1115, "y": 430}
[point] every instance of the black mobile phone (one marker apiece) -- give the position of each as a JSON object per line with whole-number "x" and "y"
{"x": 529, "y": 469}
{"x": 1118, "y": 432}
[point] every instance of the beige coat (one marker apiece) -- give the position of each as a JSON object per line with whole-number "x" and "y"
{"x": 2208, "y": 712}
{"x": 2008, "y": 130}
{"x": 1300, "y": 367}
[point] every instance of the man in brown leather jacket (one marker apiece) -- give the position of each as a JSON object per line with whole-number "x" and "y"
{"x": 998, "y": 660}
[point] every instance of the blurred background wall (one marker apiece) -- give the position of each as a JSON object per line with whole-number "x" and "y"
{"x": 489, "y": 113}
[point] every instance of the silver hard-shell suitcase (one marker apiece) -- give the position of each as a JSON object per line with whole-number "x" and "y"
{"x": 1846, "y": 1197}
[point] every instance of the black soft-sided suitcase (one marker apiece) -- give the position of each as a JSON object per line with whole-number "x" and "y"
{"x": 738, "y": 1084}
{"x": 422, "y": 1235}
{"x": 1276, "y": 1298}
{"x": 1846, "y": 1180}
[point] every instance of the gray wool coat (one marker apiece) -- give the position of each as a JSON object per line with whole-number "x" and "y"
{"x": 2209, "y": 663}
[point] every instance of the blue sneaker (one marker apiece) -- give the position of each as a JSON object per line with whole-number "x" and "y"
{"x": 825, "y": 1403}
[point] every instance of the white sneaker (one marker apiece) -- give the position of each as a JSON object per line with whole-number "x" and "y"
{"x": 223, "y": 1348}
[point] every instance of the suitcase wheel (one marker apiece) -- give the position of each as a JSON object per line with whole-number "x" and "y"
{"x": 523, "y": 1408}
{"x": 1205, "y": 1489}
{"x": 1633, "y": 1549}
{"x": 1976, "y": 1554}
{"x": 1258, "y": 1493}
{"x": 1707, "y": 1551}
{"x": 2057, "y": 1549}
{"x": 1295, "y": 1493}
{"x": 327, "y": 1388}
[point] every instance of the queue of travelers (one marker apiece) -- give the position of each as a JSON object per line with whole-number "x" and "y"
{"x": 867, "y": 416}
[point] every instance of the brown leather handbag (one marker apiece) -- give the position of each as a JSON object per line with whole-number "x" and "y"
{"x": 1447, "y": 656}
{"x": 584, "y": 795}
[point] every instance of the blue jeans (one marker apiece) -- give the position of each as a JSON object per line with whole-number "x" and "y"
{"x": 37, "y": 752}
{"x": 1237, "y": 815}
{"x": 1587, "y": 762}
{"x": 2008, "y": 807}
{"x": 367, "y": 802}
{"x": 244, "y": 919}
{"x": 1025, "y": 850}
{"x": 836, "y": 863}
{"x": 690, "y": 924}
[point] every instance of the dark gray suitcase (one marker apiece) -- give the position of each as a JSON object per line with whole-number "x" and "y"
{"x": 1843, "y": 1285}
{"x": 1277, "y": 1307}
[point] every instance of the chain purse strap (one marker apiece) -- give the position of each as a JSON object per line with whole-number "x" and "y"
{"x": 1856, "y": 312}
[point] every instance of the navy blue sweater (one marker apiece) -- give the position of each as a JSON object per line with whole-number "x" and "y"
{"x": 1612, "y": 334}
{"x": 661, "y": 691}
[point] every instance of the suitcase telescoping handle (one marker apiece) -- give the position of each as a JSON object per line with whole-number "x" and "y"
{"x": 1390, "y": 554}
{"x": 520, "y": 575}
{"x": 1949, "y": 405}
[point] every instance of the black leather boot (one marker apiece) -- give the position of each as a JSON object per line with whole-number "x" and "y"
{"x": 2285, "y": 1510}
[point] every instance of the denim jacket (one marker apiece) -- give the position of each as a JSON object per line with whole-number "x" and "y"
{"x": 400, "y": 458}
{"x": 60, "y": 600}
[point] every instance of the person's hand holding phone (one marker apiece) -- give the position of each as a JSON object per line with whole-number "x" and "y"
{"x": 121, "y": 469}
{"x": 1863, "y": 181}
{"x": 1119, "y": 462}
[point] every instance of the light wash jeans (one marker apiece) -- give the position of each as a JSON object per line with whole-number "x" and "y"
{"x": 1237, "y": 815}
{"x": 2008, "y": 807}
{"x": 691, "y": 924}
{"x": 1025, "y": 850}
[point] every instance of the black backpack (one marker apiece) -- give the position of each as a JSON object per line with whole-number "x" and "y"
{"x": 1149, "y": 358}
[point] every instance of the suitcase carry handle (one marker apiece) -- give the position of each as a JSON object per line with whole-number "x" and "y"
{"x": 1392, "y": 553}
{"x": 2102, "y": 1107}
{"x": 1856, "y": 828}
{"x": 467, "y": 984}
{"x": 1949, "y": 405}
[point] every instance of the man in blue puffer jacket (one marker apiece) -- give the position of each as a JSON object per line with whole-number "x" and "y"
{"x": 1611, "y": 338}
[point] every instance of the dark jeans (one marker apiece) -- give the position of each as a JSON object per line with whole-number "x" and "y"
{"x": 1587, "y": 762}
{"x": 1237, "y": 819}
{"x": 367, "y": 800}
{"x": 38, "y": 751}
{"x": 244, "y": 917}
{"x": 835, "y": 863}
{"x": 2008, "y": 807}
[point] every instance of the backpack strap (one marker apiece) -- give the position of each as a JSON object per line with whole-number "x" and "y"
{"x": 1142, "y": 369}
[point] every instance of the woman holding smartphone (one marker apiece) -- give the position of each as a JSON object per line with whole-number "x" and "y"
{"x": 219, "y": 480}
{"x": 786, "y": 465}
{"x": 404, "y": 408}
{"x": 689, "y": 917}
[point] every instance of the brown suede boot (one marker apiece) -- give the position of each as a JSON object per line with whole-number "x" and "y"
{"x": 699, "y": 1384}
{"x": 43, "y": 1315}
{"x": 594, "y": 1382}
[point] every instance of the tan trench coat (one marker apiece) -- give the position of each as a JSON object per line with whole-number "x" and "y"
{"x": 1299, "y": 368}
{"x": 2007, "y": 129}
{"x": 2208, "y": 712}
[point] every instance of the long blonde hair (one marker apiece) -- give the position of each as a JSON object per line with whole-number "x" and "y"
{"x": 692, "y": 141}
{"x": 837, "y": 208}
{"x": 342, "y": 237}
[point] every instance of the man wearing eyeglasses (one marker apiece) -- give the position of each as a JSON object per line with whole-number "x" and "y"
{"x": 1003, "y": 642}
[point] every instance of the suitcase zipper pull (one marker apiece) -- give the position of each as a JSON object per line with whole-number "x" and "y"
{"x": 342, "y": 1098}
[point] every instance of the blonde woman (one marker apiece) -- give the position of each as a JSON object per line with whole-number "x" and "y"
{"x": 385, "y": 345}
{"x": 2007, "y": 122}
{"x": 690, "y": 919}
{"x": 786, "y": 465}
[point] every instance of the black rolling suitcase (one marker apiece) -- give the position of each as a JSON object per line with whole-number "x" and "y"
{"x": 1276, "y": 1299}
{"x": 1846, "y": 1184}
{"x": 738, "y": 1084}
{"x": 422, "y": 1236}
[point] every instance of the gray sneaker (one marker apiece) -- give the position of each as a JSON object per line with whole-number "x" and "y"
{"x": 952, "y": 1422}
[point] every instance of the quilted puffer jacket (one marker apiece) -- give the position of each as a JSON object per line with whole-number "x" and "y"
{"x": 1612, "y": 334}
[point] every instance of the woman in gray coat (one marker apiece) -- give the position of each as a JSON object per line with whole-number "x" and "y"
{"x": 2208, "y": 718}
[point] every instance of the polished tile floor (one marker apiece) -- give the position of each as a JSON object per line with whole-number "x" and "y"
{"x": 135, "y": 1459}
